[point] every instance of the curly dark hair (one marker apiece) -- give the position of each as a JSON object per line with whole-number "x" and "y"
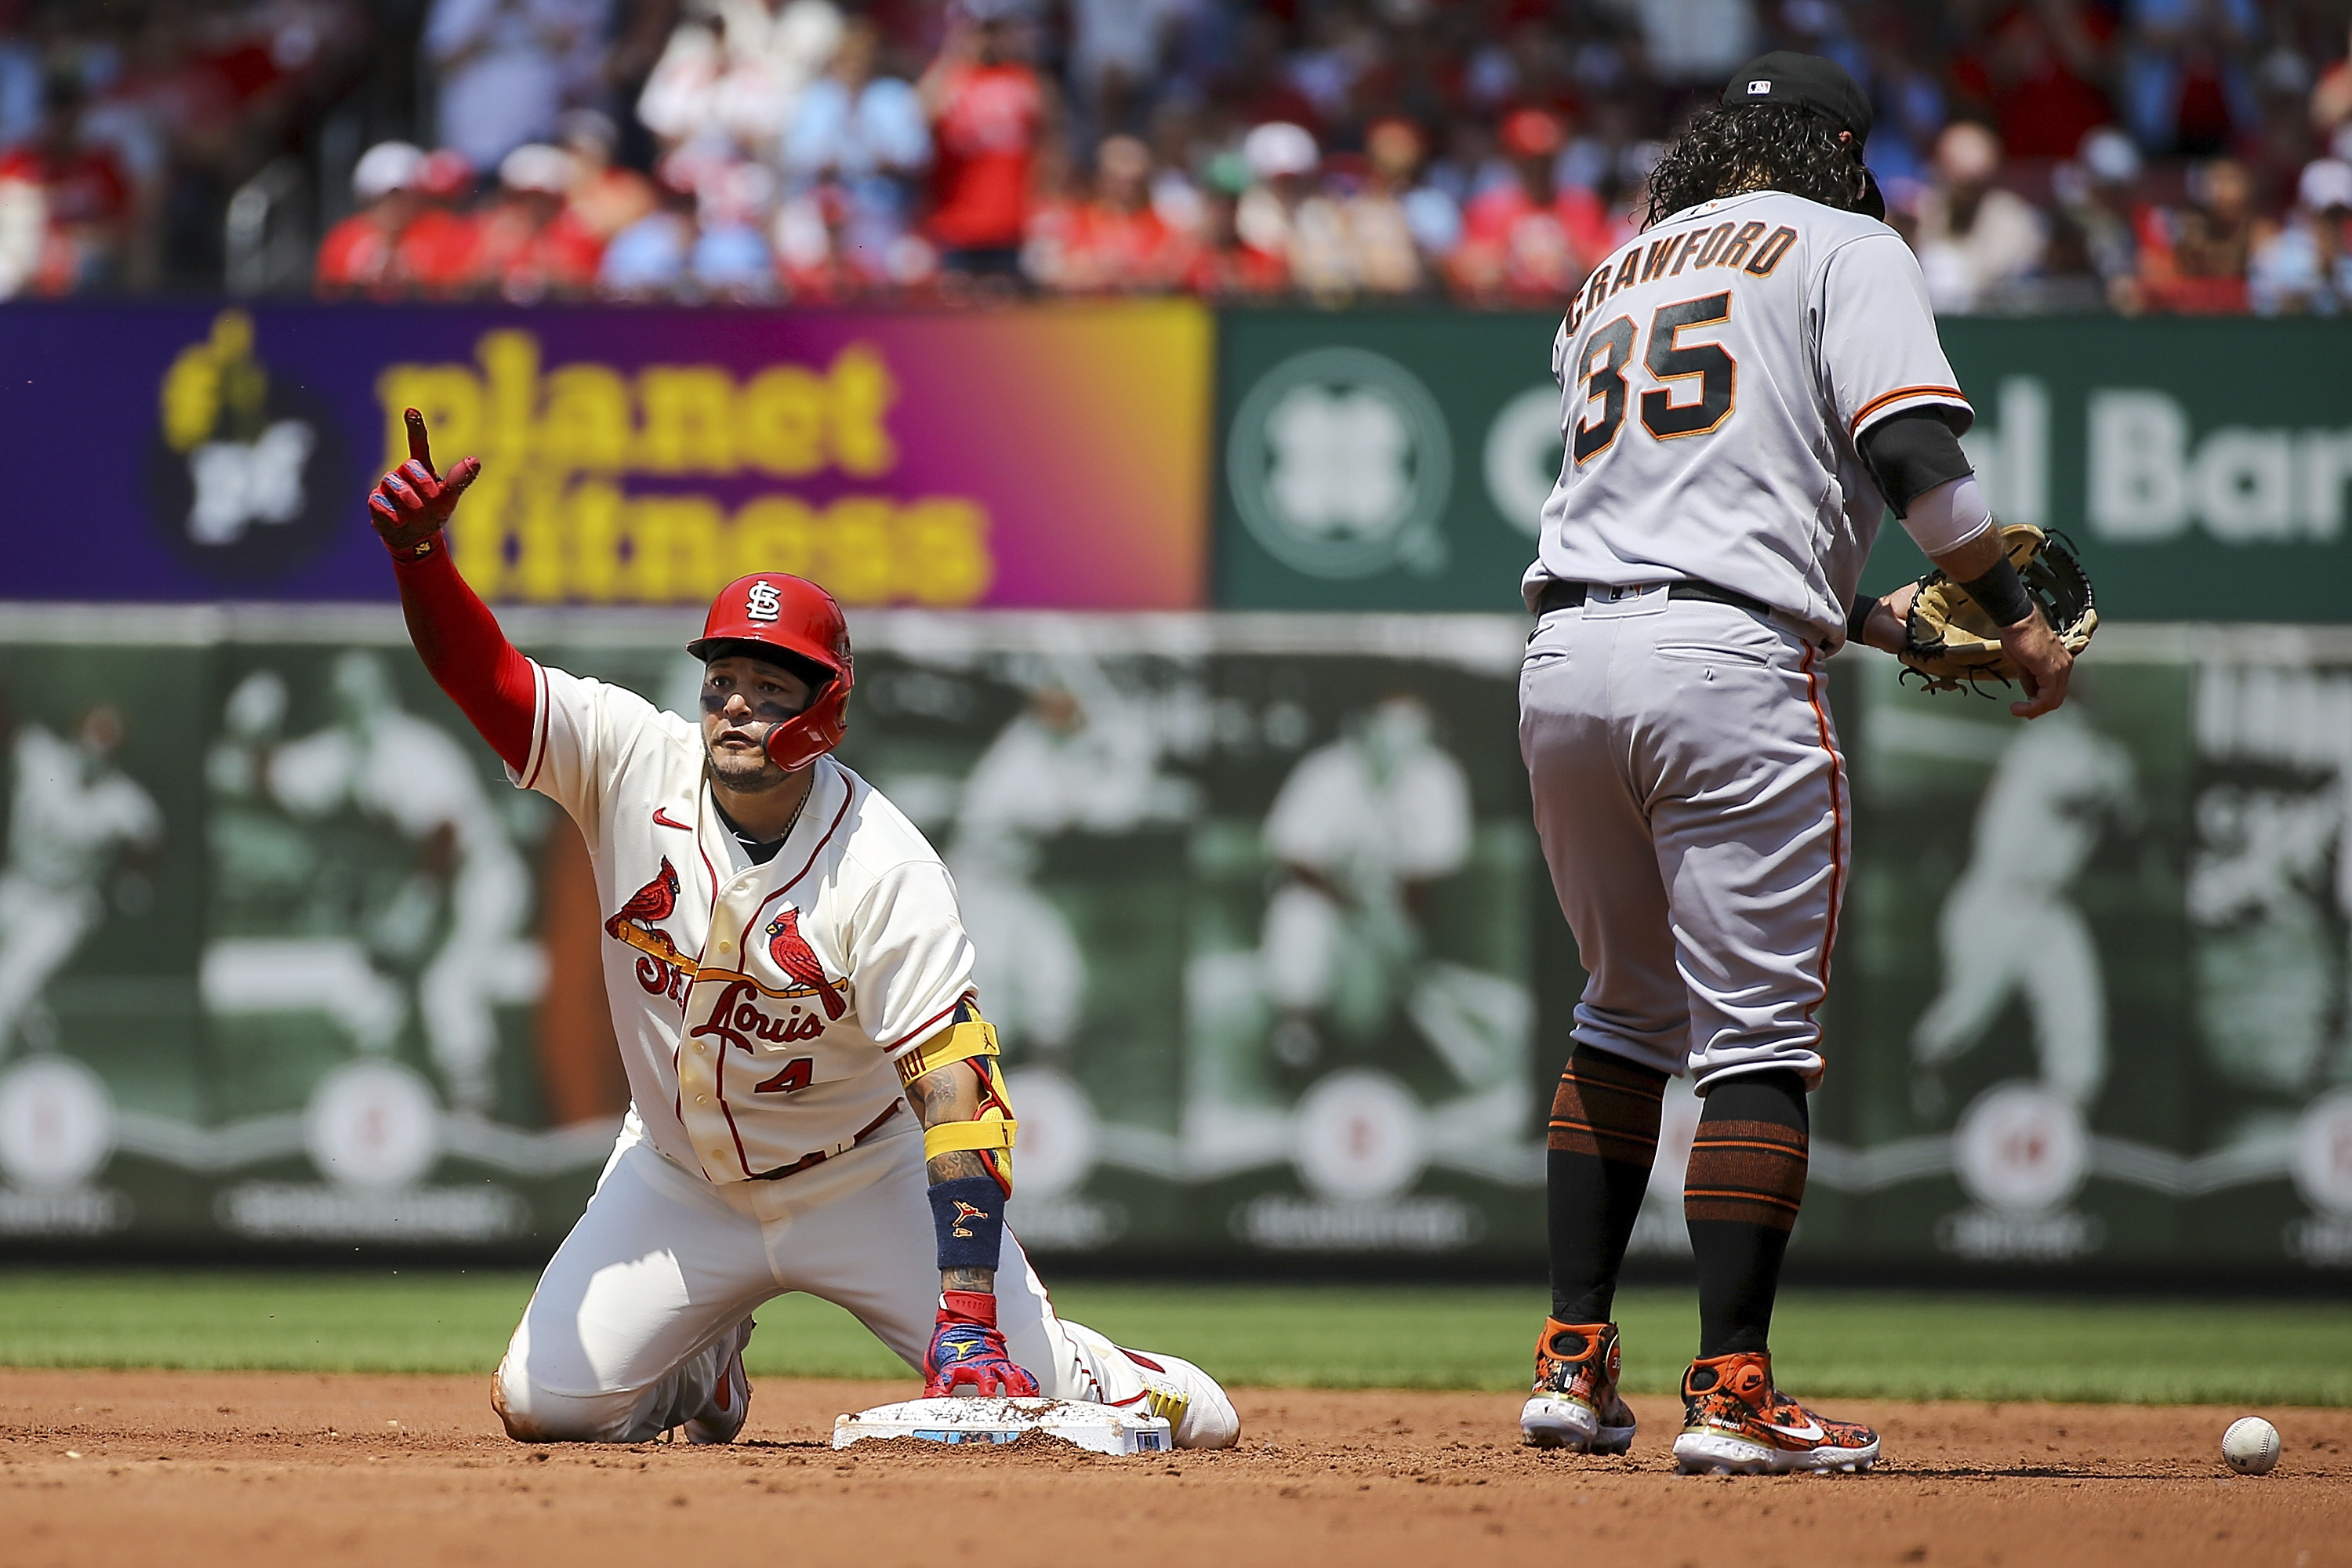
{"x": 1756, "y": 147}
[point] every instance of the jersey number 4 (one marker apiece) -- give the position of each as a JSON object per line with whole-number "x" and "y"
{"x": 1609, "y": 351}
{"x": 795, "y": 1077}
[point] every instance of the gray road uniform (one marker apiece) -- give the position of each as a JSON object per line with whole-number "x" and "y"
{"x": 1697, "y": 559}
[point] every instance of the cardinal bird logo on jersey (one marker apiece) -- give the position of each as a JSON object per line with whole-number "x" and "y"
{"x": 793, "y": 955}
{"x": 663, "y": 967}
{"x": 649, "y": 905}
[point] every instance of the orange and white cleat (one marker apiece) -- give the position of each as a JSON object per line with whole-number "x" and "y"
{"x": 1736, "y": 1423}
{"x": 1575, "y": 1404}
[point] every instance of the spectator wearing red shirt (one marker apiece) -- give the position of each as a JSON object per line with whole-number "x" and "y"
{"x": 2194, "y": 263}
{"x": 1116, "y": 243}
{"x": 1530, "y": 239}
{"x": 84, "y": 190}
{"x": 988, "y": 111}
{"x": 356, "y": 257}
{"x": 2040, "y": 76}
{"x": 1228, "y": 268}
{"x": 439, "y": 254}
{"x": 532, "y": 246}
{"x": 2185, "y": 82}
{"x": 810, "y": 242}
{"x": 606, "y": 197}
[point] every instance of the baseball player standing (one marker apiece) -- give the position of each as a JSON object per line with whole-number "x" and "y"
{"x": 1746, "y": 385}
{"x": 72, "y": 811}
{"x": 815, "y": 1099}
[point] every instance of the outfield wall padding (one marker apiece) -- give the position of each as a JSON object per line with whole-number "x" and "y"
{"x": 1260, "y": 917}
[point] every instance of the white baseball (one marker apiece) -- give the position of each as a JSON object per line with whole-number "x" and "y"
{"x": 2250, "y": 1445}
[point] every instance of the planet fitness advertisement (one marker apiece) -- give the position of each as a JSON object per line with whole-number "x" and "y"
{"x": 1038, "y": 459}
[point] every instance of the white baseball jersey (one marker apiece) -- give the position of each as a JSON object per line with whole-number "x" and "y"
{"x": 758, "y": 1007}
{"x": 1716, "y": 374}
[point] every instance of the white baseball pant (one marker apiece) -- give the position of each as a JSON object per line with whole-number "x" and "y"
{"x": 635, "y": 1321}
{"x": 1692, "y": 808}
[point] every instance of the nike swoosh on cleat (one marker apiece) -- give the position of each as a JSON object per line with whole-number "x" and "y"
{"x": 1811, "y": 1431}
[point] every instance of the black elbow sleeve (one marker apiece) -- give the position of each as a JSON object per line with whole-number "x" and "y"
{"x": 1910, "y": 454}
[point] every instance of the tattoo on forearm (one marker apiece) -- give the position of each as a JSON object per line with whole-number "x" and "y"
{"x": 944, "y": 1095}
{"x": 955, "y": 1162}
{"x": 940, "y": 1097}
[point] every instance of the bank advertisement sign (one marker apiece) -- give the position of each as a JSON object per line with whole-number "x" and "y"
{"x": 1399, "y": 461}
{"x": 1036, "y": 458}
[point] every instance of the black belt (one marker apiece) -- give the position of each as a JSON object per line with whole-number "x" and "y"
{"x": 1558, "y": 595}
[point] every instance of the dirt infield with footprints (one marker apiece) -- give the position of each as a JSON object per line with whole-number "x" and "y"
{"x": 258, "y": 1469}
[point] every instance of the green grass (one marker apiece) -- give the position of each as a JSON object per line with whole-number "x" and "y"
{"x": 1857, "y": 1344}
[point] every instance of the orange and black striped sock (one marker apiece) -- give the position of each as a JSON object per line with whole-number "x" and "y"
{"x": 1746, "y": 1180}
{"x": 1604, "y": 1134}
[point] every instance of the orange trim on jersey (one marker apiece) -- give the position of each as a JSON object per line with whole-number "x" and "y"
{"x": 1952, "y": 394}
{"x": 1837, "y": 827}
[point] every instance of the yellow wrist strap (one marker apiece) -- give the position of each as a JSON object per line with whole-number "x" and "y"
{"x": 953, "y": 1136}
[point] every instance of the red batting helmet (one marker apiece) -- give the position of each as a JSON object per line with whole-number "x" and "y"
{"x": 771, "y": 612}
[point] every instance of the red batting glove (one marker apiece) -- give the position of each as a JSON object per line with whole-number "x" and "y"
{"x": 411, "y": 505}
{"x": 966, "y": 1350}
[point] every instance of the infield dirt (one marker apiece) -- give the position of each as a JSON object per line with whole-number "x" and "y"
{"x": 257, "y": 1469}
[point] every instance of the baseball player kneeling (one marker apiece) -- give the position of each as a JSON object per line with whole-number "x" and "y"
{"x": 816, "y": 1104}
{"x": 1746, "y": 386}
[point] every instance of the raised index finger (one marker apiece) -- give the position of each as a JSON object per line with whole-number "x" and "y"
{"x": 419, "y": 448}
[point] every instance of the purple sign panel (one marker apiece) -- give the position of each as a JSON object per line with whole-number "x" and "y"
{"x": 1046, "y": 458}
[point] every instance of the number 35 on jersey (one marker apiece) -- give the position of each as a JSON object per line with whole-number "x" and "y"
{"x": 1716, "y": 375}
{"x": 1690, "y": 383}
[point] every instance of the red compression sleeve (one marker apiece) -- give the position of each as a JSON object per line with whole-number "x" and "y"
{"x": 468, "y": 654}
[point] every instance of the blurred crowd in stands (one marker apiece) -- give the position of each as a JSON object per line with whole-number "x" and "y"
{"x": 2137, "y": 156}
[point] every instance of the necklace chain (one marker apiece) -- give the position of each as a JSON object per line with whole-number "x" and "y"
{"x": 746, "y": 840}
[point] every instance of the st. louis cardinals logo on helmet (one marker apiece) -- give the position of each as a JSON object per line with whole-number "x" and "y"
{"x": 792, "y": 621}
